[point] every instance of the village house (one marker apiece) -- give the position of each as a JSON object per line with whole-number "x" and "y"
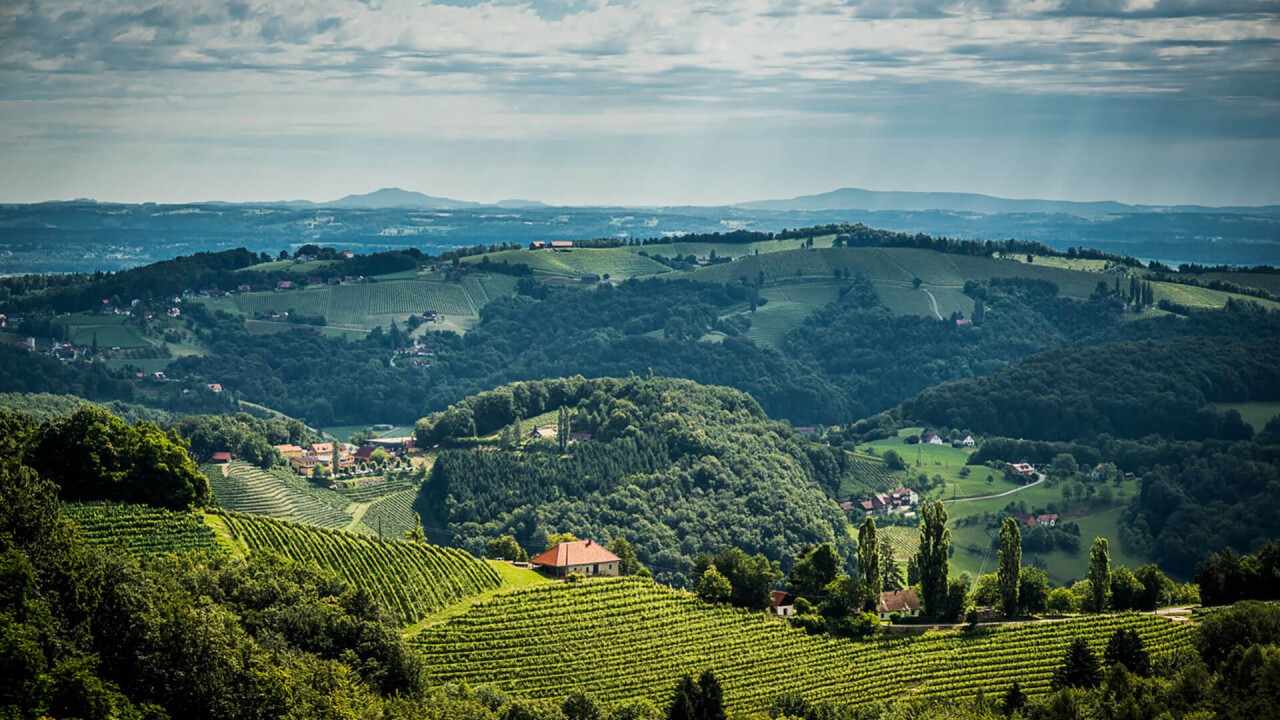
{"x": 561, "y": 245}
{"x": 582, "y": 556}
{"x": 903, "y": 602}
{"x": 968, "y": 441}
{"x": 221, "y": 457}
{"x": 1048, "y": 520}
{"x": 931, "y": 437}
{"x": 284, "y": 285}
{"x": 244, "y": 288}
{"x": 289, "y": 451}
{"x": 1022, "y": 469}
{"x": 304, "y": 464}
{"x": 963, "y": 322}
{"x": 173, "y": 312}
{"x": 782, "y": 603}
{"x": 325, "y": 448}
{"x": 806, "y": 430}
{"x": 214, "y": 387}
{"x": 543, "y": 432}
{"x": 537, "y": 245}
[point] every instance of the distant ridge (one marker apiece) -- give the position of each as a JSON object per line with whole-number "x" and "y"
{"x": 397, "y": 198}
{"x": 859, "y": 199}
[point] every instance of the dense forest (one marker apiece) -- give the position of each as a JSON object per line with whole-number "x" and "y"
{"x": 673, "y": 467}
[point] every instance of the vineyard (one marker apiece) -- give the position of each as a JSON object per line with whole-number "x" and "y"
{"x": 629, "y": 638}
{"x": 276, "y": 493}
{"x": 618, "y": 263}
{"x": 392, "y": 514}
{"x": 140, "y": 529}
{"x": 410, "y": 579}
{"x": 905, "y": 541}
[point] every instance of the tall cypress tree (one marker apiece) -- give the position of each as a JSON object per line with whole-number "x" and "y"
{"x": 710, "y": 698}
{"x": 890, "y": 571}
{"x": 932, "y": 561}
{"x": 684, "y": 706}
{"x": 1099, "y": 574}
{"x": 1010, "y": 571}
{"x": 869, "y": 559}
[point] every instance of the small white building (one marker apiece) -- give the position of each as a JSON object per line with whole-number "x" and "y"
{"x": 968, "y": 441}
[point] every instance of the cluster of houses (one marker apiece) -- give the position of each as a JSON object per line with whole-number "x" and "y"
{"x": 57, "y": 350}
{"x": 1046, "y": 520}
{"x": 900, "y": 500}
{"x": 932, "y": 438}
{"x": 306, "y": 460}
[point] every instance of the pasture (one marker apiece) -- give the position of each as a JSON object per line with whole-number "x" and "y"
{"x": 1198, "y": 297}
{"x": 943, "y": 460}
{"x": 1256, "y": 414}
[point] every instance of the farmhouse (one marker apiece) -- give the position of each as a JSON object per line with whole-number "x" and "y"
{"x": 244, "y": 288}
{"x": 963, "y": 322}
{"x": 284, "y": 285}
{"x": 222, "y": 457}
{"x": 579, "y": 436}
{"x": 1049, "y": 520}
{"x": 931, "y": 437}
{"x": 1022, "y": 468}
{"x": 806, "y": 430}
{"x": 583, "y": 556}
{"x": 214, "y": 387}
{"x": 561, "y": 245}
{"x": 968, "y": 441}
{"x": 289, "y": 451}
{"x": 782, "y": 603}
{"x": 322, "y": 448}
{"x": 904, "y": 497}
{"x": 537, "y": 245}
{"x": 543, "y": 432}
{"x": 394, "y": 445}
{"x": 903, "y": 602}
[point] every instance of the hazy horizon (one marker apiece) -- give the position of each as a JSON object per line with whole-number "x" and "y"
{"x": 661, "y": 103}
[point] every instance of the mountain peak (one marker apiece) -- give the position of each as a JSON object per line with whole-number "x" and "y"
{"x": 394, "y": 197}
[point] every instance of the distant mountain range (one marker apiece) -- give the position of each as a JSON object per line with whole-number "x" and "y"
{"x": 859, "y": 199}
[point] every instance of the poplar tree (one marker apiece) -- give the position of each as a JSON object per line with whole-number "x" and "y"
{"x": 1099, "y": 574}
{"x": 1010, "y": 571}
{"x": 869, "y": 559}
{"x": 931, "y": 561}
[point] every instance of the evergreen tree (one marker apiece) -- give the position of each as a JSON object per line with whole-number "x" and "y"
{"x": 932, "y": 560}
{"x": 94, "y": 349}
{"x": 1080, "y": 668}
{"x": 1014, "y": 698}
{"x": 979, "y": 311}
{"x": 710, "y": 697}
{"x": 890, "y": 570}
{"x": 684, "y": 706}
{"x": 1125, "y": 648}
{"x": 869, "y": 560}
{"x": 1010, "y": 572}
{"x": 1099, "y": 575}
{"x": 913, "y": 571}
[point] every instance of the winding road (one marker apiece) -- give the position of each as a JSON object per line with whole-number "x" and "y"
{"x": 1039, "y": 479}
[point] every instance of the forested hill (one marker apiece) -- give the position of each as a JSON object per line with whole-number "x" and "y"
{"x": 674, "y": 467}
{"x": 1130, "y": 389}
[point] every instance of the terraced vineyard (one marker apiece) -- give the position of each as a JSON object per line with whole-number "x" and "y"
{"x": 141, "y": 529}
{"x": 275, "y": 493}
{"x": 629, "y": 638}
{"x": 373, "y": 490}
{"x": 412, "y": 580}
{"x": 392, "y": 514}
{"x": 905, "y": 541}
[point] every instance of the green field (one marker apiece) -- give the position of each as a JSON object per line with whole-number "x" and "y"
{"x": 1198, "y": 297}
{"x": 943, "y": 460}
{"x": 112, "y": 331}
{"x": 618, "y": 263}
{"x": 410, "y": 579}
{"x": 629, "y": 639}
{"x": 364, "y": 305}
{"x": 287, "y": 265}
{"x": 140, "y": 529}
{"x": 1257, "y": 414}
{"x": 1262, "y": 281}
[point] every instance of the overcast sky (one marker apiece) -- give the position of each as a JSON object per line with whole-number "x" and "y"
{"x": 640, "y": 102}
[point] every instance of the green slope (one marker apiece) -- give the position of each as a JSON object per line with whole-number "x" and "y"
{"x": 631, "y": 639}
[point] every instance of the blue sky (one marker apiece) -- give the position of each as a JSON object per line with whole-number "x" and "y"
{"x": 653, "y": 102}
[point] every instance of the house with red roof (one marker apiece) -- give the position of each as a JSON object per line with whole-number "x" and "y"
{"x": 222, "y": 457}
{"x": 582, "y": 556}
{"x": 782, "y": 603}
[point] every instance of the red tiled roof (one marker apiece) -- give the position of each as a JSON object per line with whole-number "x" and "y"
{"x": 582, "y": 552}
{"x": 779, "y": 597}
{"x": 321, "y": 448}
{"x": 222, "y": 457}
{"x": 898, "y": 600}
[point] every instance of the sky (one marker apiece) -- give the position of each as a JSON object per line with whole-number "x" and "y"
{"x": 641, "y": 102}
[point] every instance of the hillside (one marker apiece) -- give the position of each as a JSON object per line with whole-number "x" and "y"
{"x": 141, "y": 529}
{"x": 674, "y": 467}
{"x": 631, "y": 639}
{"x": 409, "y": 579}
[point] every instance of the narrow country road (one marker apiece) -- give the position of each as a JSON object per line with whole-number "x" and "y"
{"x": 1039, "y": 479}
{"x": 933, "y": 300}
